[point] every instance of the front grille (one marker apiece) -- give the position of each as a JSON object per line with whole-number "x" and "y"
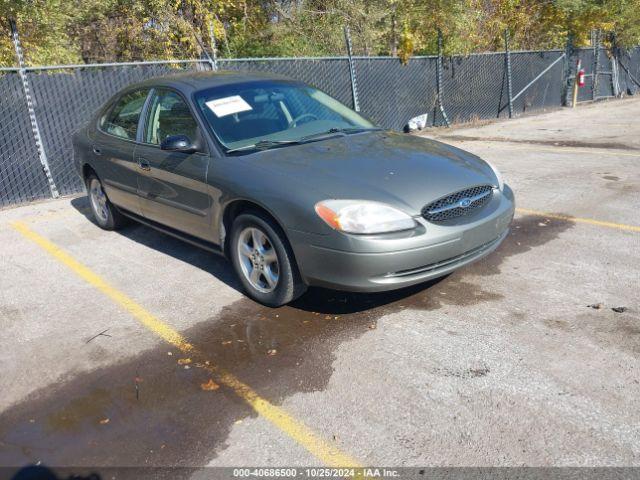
{"x": 457, "y": 204}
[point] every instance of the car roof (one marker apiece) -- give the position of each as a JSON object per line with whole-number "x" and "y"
{"x": 189, "y": 82}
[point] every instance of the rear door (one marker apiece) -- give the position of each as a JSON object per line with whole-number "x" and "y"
{"x": 114, "y": 146}
{"x": 173, "y": 189}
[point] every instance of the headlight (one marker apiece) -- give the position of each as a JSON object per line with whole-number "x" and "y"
{"x": 361, "y": 216}
{"x": 497, "y": 173}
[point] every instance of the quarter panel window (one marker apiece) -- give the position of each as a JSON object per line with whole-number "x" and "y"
{"x": 169, "y": 115}
{"x": 123, "y": 119}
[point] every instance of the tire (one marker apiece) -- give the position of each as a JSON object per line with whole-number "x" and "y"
{"x": 264, "y": 261}
{"x": 105, "y": 214}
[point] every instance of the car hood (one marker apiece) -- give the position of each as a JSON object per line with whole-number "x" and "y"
{"x": 402, "y": 170}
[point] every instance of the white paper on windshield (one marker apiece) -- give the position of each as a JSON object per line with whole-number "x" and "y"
{"x": 228, "y": 105}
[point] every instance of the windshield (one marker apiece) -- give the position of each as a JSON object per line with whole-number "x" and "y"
{"x": 274, "y": 112}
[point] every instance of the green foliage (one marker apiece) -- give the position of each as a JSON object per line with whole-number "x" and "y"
{"x": 73, "y": 31}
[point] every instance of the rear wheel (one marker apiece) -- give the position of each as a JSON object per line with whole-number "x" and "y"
{"x": 263, "y": 260}
{"x": 104, "y": 212}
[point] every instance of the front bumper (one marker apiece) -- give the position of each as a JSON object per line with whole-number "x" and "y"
{"x": 379, "y": 263}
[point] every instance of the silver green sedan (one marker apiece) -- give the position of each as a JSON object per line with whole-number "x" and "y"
{"x": 289, "y": 184}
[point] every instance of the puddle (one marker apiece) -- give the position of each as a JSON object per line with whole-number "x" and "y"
{"x": 101, "y": 418}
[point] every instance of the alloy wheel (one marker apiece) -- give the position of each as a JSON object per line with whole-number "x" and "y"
{"x": 98, "y": 200}
{"x": 258, "y": 259}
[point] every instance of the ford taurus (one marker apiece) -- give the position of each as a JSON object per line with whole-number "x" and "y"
{"x": 294, "y": 188}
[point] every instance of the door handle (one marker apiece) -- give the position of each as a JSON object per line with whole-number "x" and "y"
{"x": 144, "y": 164}
{"x": 97, "y": 151}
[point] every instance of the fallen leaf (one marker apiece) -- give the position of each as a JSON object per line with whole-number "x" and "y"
{"x": 209, "y": 386}
{"x": 104, "y": 421}
{"x": 184, "y": 361}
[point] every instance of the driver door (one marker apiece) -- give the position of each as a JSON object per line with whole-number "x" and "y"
{"x": 172, "y": 187}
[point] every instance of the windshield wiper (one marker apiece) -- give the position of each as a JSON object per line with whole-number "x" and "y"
{"x": 267, "y": 144}
{"x": 359, "y": 129}
{"x": 262, "y": 145}
{"x": 333, "y": 131}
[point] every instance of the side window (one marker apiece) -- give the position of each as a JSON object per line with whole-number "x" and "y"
{"x": 122, "y": 121}
{"x": 169, "y": 115}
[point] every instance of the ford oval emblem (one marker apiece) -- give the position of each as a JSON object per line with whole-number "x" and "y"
{"x": 465, "y": 202}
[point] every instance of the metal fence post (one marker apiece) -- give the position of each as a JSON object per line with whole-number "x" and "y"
{"x": 32, "y": 113}
{"x": 352, "y": 69}
{"x": 596, "y": 65}
{"x": 439, "y": 87}
{"x": 214, "y": 49}
{"x": 569, "y": 52}
{"x": 507, "y": 60}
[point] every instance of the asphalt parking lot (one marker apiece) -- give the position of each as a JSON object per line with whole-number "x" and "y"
{"x": 132, "y": 348}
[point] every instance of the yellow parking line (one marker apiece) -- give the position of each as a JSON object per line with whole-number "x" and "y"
{"x": 599, "y": 223}
{"x": 294, "y": 428}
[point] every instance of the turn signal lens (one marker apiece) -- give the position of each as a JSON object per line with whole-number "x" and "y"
{"x": 328, "y": 215}
{"x": 361, "y": 216}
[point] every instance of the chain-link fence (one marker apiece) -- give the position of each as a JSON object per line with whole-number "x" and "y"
{"x": 42, "y": 106}
{"x": 390, "y": 94}
{"x": 629, "y": 70}
{"x": 21, "y": 176}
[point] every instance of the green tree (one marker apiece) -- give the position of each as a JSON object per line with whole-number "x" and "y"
{"x": 71, "y": 31}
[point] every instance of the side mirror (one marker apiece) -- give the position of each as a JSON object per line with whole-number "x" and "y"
{"x": 179, "y": 143}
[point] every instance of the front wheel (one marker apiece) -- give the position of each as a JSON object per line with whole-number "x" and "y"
{"x": 263, "y": 260}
